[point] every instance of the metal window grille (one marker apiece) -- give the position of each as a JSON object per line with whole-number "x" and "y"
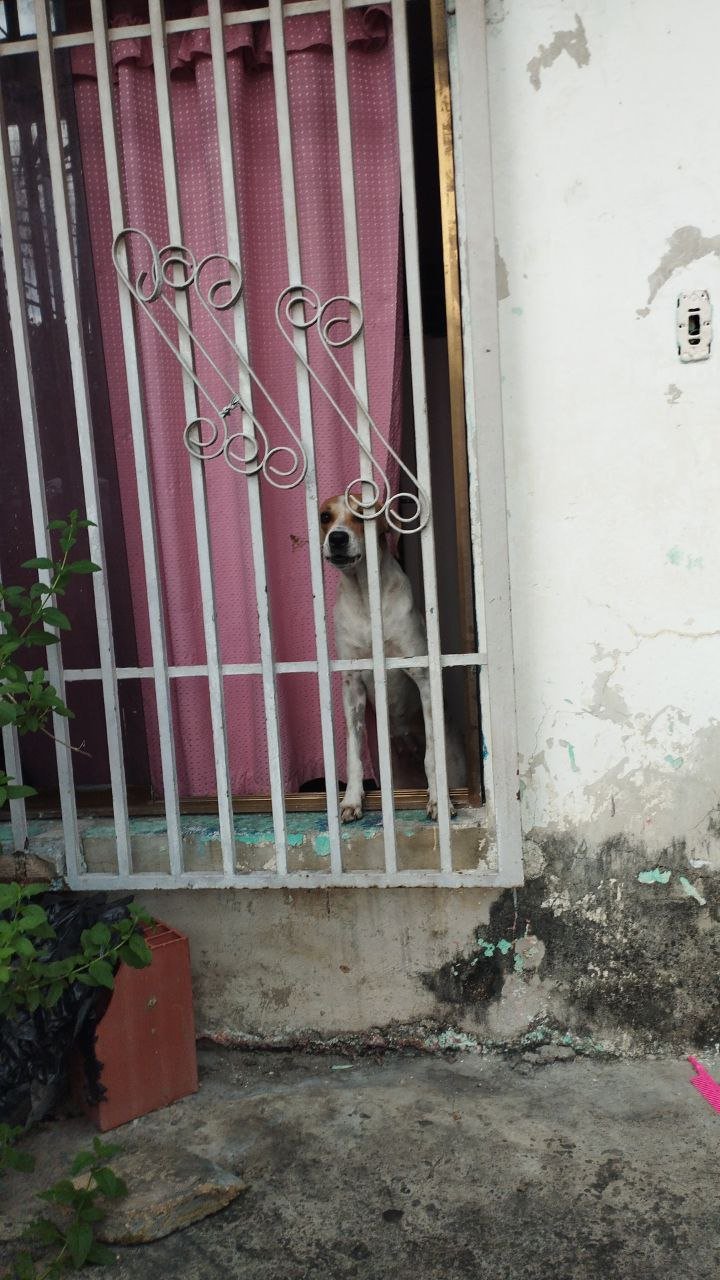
{"x": 476, "y": 402}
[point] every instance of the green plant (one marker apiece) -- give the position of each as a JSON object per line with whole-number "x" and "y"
{"x": 27, "y": 698}
{"x": 29, "y": 980}
{"x": 10, "y": 1157}
{"x": 79, "y": 1201}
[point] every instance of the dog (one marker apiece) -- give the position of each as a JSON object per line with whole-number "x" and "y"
{"x": 342, "y": 533}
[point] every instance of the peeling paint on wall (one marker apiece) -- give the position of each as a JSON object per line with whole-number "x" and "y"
{"x": 501, "y": 275}
{"x": 691, "y": 892}
{"x": 656, "y": 876}
{"x": 574, "y": 43}
{"x": 686, "y": 245}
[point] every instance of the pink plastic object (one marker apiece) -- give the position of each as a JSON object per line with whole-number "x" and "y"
{"x": 704, "y": 1083}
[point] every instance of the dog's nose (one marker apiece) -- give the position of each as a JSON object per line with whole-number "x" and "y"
{"x": 338, "y": 539}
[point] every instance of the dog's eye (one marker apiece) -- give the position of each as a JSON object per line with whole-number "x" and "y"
{"x": 325, "y": 517}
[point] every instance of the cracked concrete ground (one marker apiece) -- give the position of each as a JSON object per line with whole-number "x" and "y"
{"x": 434, "y": 1169}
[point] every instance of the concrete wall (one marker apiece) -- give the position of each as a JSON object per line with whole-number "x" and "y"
{"x": 607, "y": 205}
{"x": 607, "y": 189}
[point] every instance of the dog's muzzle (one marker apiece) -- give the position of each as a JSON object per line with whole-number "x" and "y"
{"x": 338, "y": 542}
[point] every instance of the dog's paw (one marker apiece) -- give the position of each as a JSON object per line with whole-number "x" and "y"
{"x": 350, "y": 812}
{"x": 432, "y": 809}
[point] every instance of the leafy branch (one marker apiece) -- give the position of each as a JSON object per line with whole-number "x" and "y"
{"x": 27, "y": 698}
{"x": 29, "y": 980}
{"x": 72, "y": 1236}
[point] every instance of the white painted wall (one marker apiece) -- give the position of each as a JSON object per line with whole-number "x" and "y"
{"x": 613, "y": 445}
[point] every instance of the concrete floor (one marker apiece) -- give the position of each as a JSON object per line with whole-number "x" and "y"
{"x": 436, "y": 1170}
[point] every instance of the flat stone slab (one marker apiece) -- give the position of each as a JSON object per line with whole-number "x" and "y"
{"x": 168, "y": 1189}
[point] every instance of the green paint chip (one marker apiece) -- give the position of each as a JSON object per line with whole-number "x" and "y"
{"x": 675, "y": 762}
{"x": 691, "y": 892}
{"x": 571, "y": 754}
{"x": 656, "y": 876}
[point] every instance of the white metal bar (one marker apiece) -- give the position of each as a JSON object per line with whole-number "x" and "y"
{"x": 472, "y": 456}
{"x": 292, "y": 243}
{"x": 282, "y": 668}
{"x": 197, "y": 472}
{"x": 148, "y": 531}
{"x": 13, "y": 768}
{"x": 352, "y": 259}
{"x": 232, "y": 226}
{"x": 422, "y": 440}
{"x": 301, "y": 880}
{"x": 81, "y": 395}
{"x": 72, "y": 40}
{"x": 36, "y": 482}
{"x": 482, "y": 353}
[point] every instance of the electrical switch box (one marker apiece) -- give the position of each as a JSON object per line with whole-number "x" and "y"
{"x": 694, "y": 325}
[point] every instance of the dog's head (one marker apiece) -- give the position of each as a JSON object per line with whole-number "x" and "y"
{"x": 342, "y": 532}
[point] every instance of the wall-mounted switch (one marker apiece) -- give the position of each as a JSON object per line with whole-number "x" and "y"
{"x": 694, "y": 325}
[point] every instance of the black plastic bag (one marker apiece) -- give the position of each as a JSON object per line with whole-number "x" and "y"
{"x": 35, "y": 1048}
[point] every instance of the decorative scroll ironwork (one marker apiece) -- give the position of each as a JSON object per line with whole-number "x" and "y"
{"x": 174, "y": 269}
{"x": 339, "y": 323}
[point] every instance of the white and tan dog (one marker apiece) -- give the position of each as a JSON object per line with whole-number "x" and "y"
{"x": 408, "y": 692}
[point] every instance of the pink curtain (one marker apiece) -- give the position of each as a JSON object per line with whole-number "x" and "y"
{"x": 369, "y": 40}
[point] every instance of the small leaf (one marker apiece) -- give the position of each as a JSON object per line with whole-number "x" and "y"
{"x": 56, "y": 618}
{"x": 32, "y": 916}
{"x": 44, "y": 1231}
{"x": 100, "y": 934}
{"x": 82, "y": 1160}
{"x": 42, "y": 638}
{"x": 17, "y": 792}
{"x": 83, "y": 566}
{"x": 106, "y": 1150}
{"x": 140, "y": 948}
{"x": 23, "y": 1268}
{"x": 90, "y": 1213}
{"x": 53, "y": 994}
{"x": 79, "y": 1241}
{"x": 9, "y": 896}
{"x": 101, "y": 972}
{"x": 38, "y": 562}
{"x": 33, "y": 998}
{"x": 20, "y": 1160}
{"x": 62, "y": 1192}
{"x": 109, "y": 1183}
{"x": 131, "y": 959}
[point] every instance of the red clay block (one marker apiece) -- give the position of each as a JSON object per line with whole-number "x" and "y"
{"x": 146, "y": 1039}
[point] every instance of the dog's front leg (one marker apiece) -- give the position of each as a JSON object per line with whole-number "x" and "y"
{"x": 354, "y": 697}
{"x": 422, "y": 681}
